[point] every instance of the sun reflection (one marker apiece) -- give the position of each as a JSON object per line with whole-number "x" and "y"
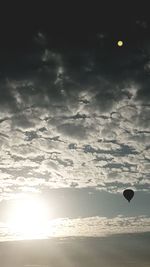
{"x": 29, "y": 218}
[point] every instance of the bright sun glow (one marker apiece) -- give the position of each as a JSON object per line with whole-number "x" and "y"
{"x": 29, "y": 218}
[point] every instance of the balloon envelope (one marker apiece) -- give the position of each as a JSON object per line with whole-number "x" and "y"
{"x": 128, "y": 194}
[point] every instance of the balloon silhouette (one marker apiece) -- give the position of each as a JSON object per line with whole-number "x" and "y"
{"x": 128, "y": 194}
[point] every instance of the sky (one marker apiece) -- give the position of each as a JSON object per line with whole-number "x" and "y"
{"x": 75, "y": 128}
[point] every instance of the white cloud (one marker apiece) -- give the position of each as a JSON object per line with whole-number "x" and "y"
{"x": 84, "y": 227}
{"x": 67, "y": 125}
{"x": 101, "y": 226}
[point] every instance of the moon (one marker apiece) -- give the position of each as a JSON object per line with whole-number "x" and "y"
{"x": 120, "y": 43}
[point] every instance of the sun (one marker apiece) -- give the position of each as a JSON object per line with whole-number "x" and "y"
{"x": 29, "y": 218}
{"x": 120, "y": 43}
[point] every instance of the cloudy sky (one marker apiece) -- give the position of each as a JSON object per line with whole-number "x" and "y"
{"x": 75, "y": 122}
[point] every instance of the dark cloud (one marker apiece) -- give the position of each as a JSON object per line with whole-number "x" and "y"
{"x": 73, "y": 130}
{"x": 37, "y": 78}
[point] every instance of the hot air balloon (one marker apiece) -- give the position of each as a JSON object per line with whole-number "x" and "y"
{"x": 128, "y": 194}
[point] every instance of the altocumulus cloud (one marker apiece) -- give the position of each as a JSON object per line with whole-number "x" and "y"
{"x": 75, "y": 119}
{"x": 87, "y": 227}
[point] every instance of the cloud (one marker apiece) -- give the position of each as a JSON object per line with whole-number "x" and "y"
{"x": 87, "y": 227}
{"x": 76, "y": 115}
{"x": 100, "y": 226}
{"x": 77, "y": 131}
